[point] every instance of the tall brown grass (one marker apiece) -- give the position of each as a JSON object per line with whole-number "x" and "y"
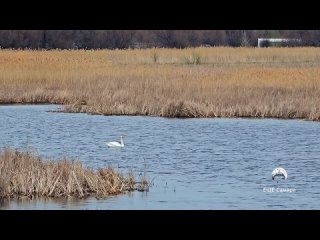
{"x": 197, "y": 82}
{"x": 24, "y": 174}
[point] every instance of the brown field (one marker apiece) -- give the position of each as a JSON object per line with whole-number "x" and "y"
{"x": 197, "y": 82}
{"x": 24, "y": 174}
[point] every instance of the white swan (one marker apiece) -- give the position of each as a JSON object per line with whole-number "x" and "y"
{"x": 116, "y": 144}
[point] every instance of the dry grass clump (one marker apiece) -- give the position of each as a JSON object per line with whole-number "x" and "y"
{"x": 23, "y": 174}
{"x": 195, "y": 82}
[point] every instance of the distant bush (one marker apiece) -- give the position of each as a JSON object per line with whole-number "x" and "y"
{"x": 193, "y": 59}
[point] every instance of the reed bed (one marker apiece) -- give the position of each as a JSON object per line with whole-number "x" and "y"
{"x": 195, "y": 82}
{"x": 24, "y": 174}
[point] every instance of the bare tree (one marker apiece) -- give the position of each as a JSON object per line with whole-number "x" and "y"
{"x": 165, "y": 38}
{"x": 234, "y": 37}
{"x": 93, "y": 39}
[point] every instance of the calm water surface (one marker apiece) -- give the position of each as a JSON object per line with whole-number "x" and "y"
{"x": 193, "y": 163}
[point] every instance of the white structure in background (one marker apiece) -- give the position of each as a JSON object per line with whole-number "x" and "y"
{"x": 277, "y": 40}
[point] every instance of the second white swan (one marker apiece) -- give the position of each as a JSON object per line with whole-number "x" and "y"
{"x": 116, "y": 144}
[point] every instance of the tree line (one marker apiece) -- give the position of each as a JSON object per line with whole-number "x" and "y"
{"x": 122, "y": 39}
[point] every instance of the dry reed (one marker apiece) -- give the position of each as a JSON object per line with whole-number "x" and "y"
{"x": 24, "y": 174}
{"x": 197, "y": 82}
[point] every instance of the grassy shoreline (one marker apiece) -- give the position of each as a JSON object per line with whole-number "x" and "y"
{"x": 24, "y": 174}
{"x": 198, "y": 82}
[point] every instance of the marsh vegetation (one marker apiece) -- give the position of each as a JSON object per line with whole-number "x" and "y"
{"x": 24, "y": 174}
{"x": 194, "y": 82}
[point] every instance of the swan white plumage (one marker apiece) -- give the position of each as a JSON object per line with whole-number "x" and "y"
{"x": 116, "y": 144}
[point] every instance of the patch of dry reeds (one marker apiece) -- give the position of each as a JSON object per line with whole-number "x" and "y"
{"x": 196, "y": 82}
{"x": 24, "y": 174}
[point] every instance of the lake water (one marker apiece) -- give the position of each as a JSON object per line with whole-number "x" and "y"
{"x": 193, "y": 163}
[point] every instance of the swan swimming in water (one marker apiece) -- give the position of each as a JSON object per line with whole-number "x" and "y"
{"x": 116, "y": 144}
